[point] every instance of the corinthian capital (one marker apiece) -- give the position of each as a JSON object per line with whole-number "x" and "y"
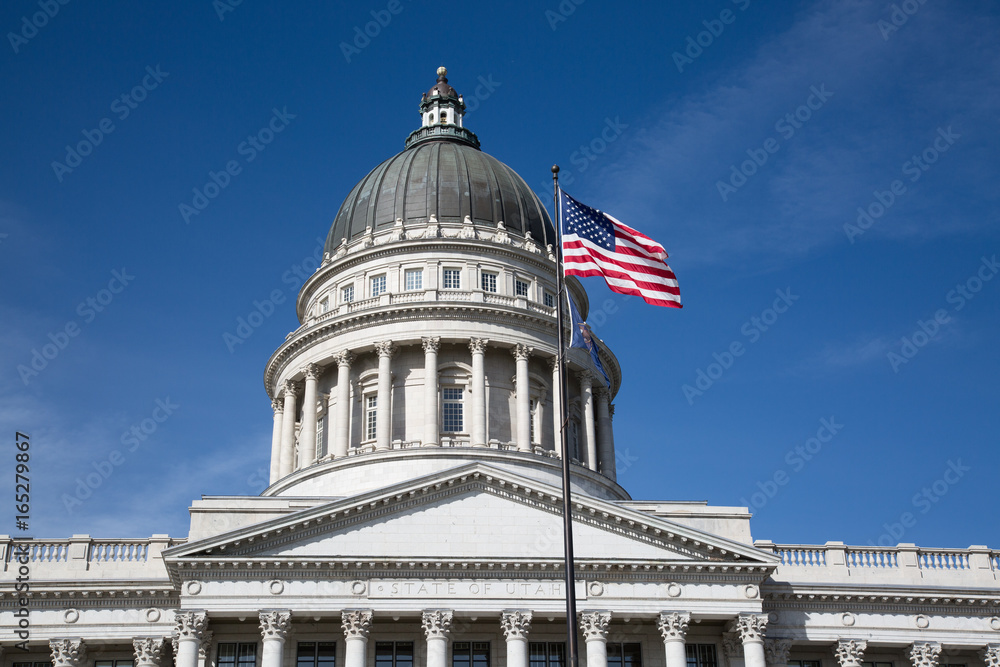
{"x": 275, "y": 624}
{"x": 731, "y": 645}
{"x": 776, "y": 650}
{"x": 149, "y": 650}
{"x": 522, "y": 351}
{"x": 749, "y": 627}
{"x": 673, "y": 626}
{"x": 290, "y": 388}
{"x": 344, "y": 358}
{"x": 431, "y": 343}
{"x": 991, "y": 655}
{"x": 924, "y": 654}
{"x": 68, "y": 652}
{"x": 191, "y": 624}
{"x": 384, "y": 348}
{"x": 850, "y": 652}
{"x": 515, "y": 624}
{"x": 277, "y": 406}
{"x": 312, "y": 371}
{"x": 595, "y": 625}
{"x": 478, "y": 345}
{"x": 437, "y": 623}
{"x": 356, "y": 623}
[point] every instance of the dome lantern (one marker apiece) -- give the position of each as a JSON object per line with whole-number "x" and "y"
{"x": 442, "y": 111}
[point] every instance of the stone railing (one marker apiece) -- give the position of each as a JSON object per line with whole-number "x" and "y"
{"x": 82, "y": 557}
{"x": 905, "y": 564}
{"x": 449, "y": 442}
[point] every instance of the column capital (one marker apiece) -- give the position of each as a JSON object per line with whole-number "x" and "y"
{"x": 344, "y": 358}
{"x": 924, "y": 654}
{"x": 553, "y": 363}
{"x": 673, "y": 626}
{"x": 522, "y": 351}
{"x": 731, "y": 645}
{"x": 850, "y": 652}
{"x": 384, "y": 348}
{"x": 68, "y": 652}
{"x": 356, "y": 623}
{"x": 149, "y": 650}
{"x": 515, "y": 623}
{"x": 191, "y": 624}
{"x": 437, "y": 623}
{"x": 312, "y": 371}
{"x": 611, "y": 410}
{"x": 290, "y": 388}
{"x": 586, "y": 378}
{"x": 750, "y": 627}
{"x": 204, "y": 644}
{"x": 602, "y": 393}
{"x": 776, "y": 650}
{"x": 594, "y": 625}
{"x": 275, "y": 624}
{"x": 478, "y": 345}
{"x": 991, "y": 655}
{"x": 431, "y": 343}
{"x": 277, "y": 406}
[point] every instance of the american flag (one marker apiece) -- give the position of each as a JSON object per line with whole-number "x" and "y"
{"x": 596, "y": 244}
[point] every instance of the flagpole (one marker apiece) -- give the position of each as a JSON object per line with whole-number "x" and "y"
{"x": 571, "y": 623}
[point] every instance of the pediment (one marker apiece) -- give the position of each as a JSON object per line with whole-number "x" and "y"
{"x": 473, "y": 513}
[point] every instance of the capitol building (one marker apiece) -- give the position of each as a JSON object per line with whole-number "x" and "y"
{"x": 414, "y": 513}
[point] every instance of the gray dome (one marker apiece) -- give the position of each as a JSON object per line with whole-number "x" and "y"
{"x": 443, "y": 177}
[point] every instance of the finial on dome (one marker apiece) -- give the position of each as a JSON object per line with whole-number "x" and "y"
{"x": 442, "y": 73}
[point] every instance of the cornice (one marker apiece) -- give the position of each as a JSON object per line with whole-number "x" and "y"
{"x": 892, "y": 599}
{"x": 57, "y": 594}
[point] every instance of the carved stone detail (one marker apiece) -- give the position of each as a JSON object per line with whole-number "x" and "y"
{"x": 478, "y": 345}
{"x": 275, "y": 624}
{"x": 68, "y": 652}
{"x": 204, "y": 645}
{"x": 290, "y": 388}
{"x": 776, "y": 651}
{"x": 924, "y": 654}
{"x": 277, "y": 406}
{"x": 385, "y": 348}
{"x": 431, "y": 343}
{"x": 149, "y": 650}
{"x": 191, "y": 624}
{"x": 673, "y": 626}
{"x": 991, "y": 655}
{"x": 750, "y": 627}
{"x": 731, "y": 645}
{"x": 522, "y": 351}
{"x": 850, "y": 652}
{"x": 437, "y": 623}
{"x": 515, "y": 624}
{"x": 356, "y": 623}
{"x": 313, "y": 371}
{"x": 594, "y": 625}
{"x": 344, "y": 358}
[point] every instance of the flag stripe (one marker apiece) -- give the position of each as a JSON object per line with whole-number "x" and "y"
{"x": 575, "y": 250}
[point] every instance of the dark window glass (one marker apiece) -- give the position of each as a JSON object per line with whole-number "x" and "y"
{"x": 701, "y": 655}
{"x": 624, "y": 655}
{"x": 547, "y": 654}
{"x": 393, "y": 654}
{"x": 316, "y": 654}
{"x": 237, "y": 655}
{"x": 470, "y": 654}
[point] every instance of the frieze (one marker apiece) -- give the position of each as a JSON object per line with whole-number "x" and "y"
{"x": 469, "y": 589}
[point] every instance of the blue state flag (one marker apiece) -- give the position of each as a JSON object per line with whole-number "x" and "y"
{"x": 583, "y": 337}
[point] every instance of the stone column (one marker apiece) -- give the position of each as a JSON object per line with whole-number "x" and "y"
{"x": 587, "y": 403}
{"x": 849, "y": 652}
{"x": 515, "y": 624}
{"x": 523, "y": 399}
{"x": 343, "y": 428}
{"x": 190, "y": 630}
{"x": 432, "y": 428}
{"x": 751, "y": 629}
{"x": 275, "y": 624}
{"x": 478, "y": 348}
{"x": 437, "y": 626}
{"x": 605, "y": 441}
{"x": 307, "y": 434}
{"x": 383, "y": 418}
{"x": 557, "y": 423}
{"x": 673, "y": 628}
{"x": 279, "y": 410}
{"x": 776, "y": 651}
{"x": 594, "y": 625}
{"x": 68, "y": 652}
{"x": 356, "y": 624}
{"x": 924, "y": 654}
{"x": 149, "y": 651}
{"x": 286, "y": 461}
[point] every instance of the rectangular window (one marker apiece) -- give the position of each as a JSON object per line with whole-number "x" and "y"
{"x": 413, "y": 279}
{"x": 371, "y": 412}
{"x": 393, "y": 654}
{"x": 316, "y": 654}
{"x": 803, "y": 663}
{"x": 549, "y": 299}
{"x": 98, "y": 663}
{"x": 489, "y": 281}
{"x": 624, "y": 655}
{"x": 470, "y": 654}
{"x": 452, "y": 279}
{"x": 452, "y": 410}
{"x": 237, "y": 655}
{"x": 521, "y": 288}
{"x": 35, "y": 664}
{"x": 378, "y": 285}
{"x": 347, "y": 294}
{"x": 532, "y": 409}
{"x": 320, "y": 436}
{"x": 876, "y": 664}
{"x": 324, "y": 305}
{"x": 701, "y": 655}
{"x": 547, "y": 654}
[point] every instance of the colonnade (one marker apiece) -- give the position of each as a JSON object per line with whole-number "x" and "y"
{"x": 596, "y": 434}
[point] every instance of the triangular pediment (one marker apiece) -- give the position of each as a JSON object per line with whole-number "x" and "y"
{"x": 473, "y": 513}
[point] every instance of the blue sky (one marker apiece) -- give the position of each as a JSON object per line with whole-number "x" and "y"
{"x": 747, "y": 155}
